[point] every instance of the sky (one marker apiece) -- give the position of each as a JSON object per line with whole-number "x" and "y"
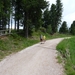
{"x": 68, "y": 14}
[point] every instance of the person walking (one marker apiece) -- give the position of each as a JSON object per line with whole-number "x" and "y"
{"x": 44, "y": 38}
{"x": 41, "y": 38}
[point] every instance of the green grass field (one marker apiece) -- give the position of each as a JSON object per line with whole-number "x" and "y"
{"x": 67, "y": 50}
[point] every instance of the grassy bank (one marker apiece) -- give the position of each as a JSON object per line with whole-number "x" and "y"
{"x": 14, "y": 43}
{"x": 67, "y": 50}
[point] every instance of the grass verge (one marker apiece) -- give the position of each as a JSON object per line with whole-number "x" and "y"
{"x": 67, "y": 50}
{"x": 14, "y": 43}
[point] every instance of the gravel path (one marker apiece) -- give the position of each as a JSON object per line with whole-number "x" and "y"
{"x": 39, "y": 59}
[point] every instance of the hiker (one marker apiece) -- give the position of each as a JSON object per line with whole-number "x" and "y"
{"x": 44, "y": 38}
{"x": 41, "y": 38}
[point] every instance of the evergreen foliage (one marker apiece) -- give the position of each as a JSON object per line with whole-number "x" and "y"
{"x": 53, "y": 16}
{"x": 59, "y": 10}
{"x": 5, "y": 8}
{"x": 26, "y": 13}
{"x": 63, "y": 28}
{"x": 30, "y": 15}
{"x": 72, "y": 28}
{"x": 46, "y": 18}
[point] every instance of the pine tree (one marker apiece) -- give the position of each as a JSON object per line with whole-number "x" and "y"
{"x": 53, "y": 18}
{"x": 55, "y": 15}
{"x": 63, "y": 28}
{"x": 5, "y": 10}
{"x": 58, "y": 16}
{"x": 32, "y": 13}
{"x": 46, "y": 18}
{"x": 18, "y": 12}
{"x": 72, "y": 28}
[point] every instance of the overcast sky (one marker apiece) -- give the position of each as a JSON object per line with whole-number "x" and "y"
{"x": 68, "y": 10}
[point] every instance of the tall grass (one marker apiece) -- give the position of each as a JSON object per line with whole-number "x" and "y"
{"x": 67, "y": 50}
{"x": 14, "y": 43}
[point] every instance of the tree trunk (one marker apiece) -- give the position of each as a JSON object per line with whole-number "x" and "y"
{"x": 9, "y": 25}
{"x": 26, "y": 31}
{"x": 17, "y": 25}
{"x": 26, "y": 24}
{"x": 11, "y": 22}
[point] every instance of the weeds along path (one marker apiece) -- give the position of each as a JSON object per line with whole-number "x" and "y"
{"x": 39, "y": 59}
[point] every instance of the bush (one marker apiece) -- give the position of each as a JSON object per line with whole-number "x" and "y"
{"x": 42, "y": 29}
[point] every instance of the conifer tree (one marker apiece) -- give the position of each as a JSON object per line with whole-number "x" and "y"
{"x": 72, "y": 28}
{"x": 63, "y": 28}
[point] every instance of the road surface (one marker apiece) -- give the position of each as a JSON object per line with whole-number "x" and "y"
{"x": 39, "y": 59}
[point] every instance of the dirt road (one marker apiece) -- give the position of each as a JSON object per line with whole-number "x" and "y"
{"x": 39, "y": 59}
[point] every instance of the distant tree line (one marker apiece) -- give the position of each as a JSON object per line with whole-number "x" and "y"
{"x": 32, "y": 14}
{"x": 65, "y": 30}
